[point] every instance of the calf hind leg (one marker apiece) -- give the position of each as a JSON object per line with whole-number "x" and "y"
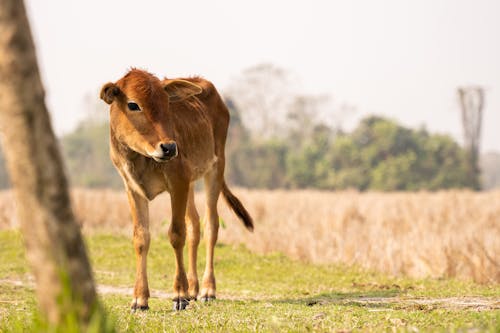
{"x": 213, "y": 185}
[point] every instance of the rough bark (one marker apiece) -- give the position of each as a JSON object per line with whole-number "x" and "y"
{"x": 54, "y": 244}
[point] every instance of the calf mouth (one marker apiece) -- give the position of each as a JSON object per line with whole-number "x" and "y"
{"x": 162, "y": 158}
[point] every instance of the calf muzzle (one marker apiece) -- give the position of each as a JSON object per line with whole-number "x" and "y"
{"x": 165, "y": 151}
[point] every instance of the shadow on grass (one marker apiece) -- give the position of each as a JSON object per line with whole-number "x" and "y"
{"x": 370, "y": 299}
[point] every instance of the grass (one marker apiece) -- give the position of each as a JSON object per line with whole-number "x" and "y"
{"x": 259, "y": 293}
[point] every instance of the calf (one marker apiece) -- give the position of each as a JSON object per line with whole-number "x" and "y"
{"x": 164, "y": 135}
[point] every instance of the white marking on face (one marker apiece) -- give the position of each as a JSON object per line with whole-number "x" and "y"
{"x": 154, "y": 153}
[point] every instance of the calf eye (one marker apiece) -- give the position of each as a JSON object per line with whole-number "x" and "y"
{"x": 133, "y": 106}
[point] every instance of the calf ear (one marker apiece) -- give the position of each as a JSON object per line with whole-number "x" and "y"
{"x": 109, "y": 91}
{"x": 179, "y": 90}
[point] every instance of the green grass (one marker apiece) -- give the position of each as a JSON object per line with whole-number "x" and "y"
{"x": 256, "y": 293}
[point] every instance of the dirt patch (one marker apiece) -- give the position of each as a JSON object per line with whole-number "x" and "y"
{"x": 450, "y": 303}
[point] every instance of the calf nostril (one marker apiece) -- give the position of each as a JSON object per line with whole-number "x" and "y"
{"x": 168, "y": 149}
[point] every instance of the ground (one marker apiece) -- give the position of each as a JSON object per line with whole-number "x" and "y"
{"x": 258, "y": 293}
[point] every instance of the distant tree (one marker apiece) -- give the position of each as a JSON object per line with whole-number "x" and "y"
{"x": 395, "y": 173}
{"x": 347, "y": 166}
{"x": 87, "y": 153}
{"x": 471, "y": 104}
{"x": 443, "y": 164}
{"x": 237, "y": 137}
{"x": 380, "y": 138}
{"x": 308, "y": 112}
{"x": 262, "y": 164}
{"x": 380, "y": 154}
{"x": 262, "y": 94}
{"x": 305, "y": 161}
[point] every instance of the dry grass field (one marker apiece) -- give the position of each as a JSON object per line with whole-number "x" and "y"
{"x": 443, "y": 234}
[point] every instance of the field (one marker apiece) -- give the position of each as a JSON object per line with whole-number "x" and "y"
{"x": 317, "y": 261}
{"x": 439, "y": 235}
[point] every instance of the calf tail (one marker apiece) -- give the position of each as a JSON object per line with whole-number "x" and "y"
{"x": 237, "y": 207}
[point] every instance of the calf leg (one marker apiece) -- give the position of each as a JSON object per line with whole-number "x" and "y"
{"x": 213, "y": 184}
{"x": 193, "y": 239}
{"x": 140, "y": 217}
{"x": 177, "y": 235}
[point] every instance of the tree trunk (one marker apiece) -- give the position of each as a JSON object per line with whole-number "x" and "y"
{"x": 471, "y": 103}
{"x": 54, "y": 244}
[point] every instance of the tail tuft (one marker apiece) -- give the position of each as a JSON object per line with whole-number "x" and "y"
{"x": 237, "y": 207}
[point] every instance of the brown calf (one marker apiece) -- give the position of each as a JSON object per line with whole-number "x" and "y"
{"x": 164, "y": 135}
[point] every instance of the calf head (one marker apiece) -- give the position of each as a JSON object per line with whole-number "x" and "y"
{"x": 139, "y": 112}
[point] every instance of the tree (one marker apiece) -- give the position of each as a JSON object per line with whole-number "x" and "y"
{"x": 262, "y": 93}
{"x": 383, "y": 155}
{"x": 306, "y": 167}
{"x": 55, "y": 248}
{"x": 87, "y": 156}
{"x": 261, "y": 164}
{"x": 237, "y": 137}
{"x": 472, "y": 103}
{"x": 305, "y": 115}
{"x": 348, "y": 168}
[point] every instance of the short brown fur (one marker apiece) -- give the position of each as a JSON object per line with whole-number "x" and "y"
{"x": 187, "y": 114}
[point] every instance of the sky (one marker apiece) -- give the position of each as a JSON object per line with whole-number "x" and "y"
{"x": 396, "y": 58}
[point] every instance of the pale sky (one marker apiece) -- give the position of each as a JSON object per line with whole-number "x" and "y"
{"x": 402, "y": 59}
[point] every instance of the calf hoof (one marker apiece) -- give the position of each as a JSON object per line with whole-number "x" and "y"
{"x": 180, "y": 304}
{"x": 134, "y": 307}
{"x": 207, "y": 298}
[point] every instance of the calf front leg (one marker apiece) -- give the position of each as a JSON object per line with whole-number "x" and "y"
{"x": 140, "y": 217}
{"x": 177, "y": 236}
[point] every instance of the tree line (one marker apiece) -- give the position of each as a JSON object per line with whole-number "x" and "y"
{"x": 378, "y": 154}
